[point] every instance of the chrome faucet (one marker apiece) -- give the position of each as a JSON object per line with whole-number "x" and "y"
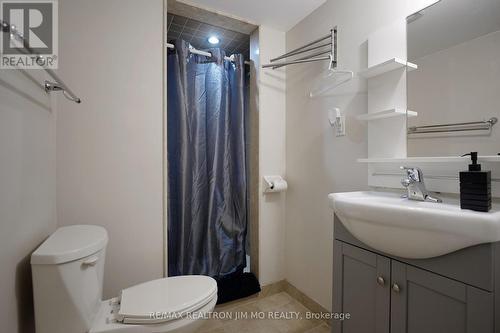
{"x": 415, "y": 186}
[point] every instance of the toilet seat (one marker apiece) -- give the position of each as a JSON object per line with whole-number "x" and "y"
{"x": 166, "y": 299}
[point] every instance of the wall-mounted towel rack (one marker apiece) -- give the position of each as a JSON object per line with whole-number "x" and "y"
{"x": 57, "y": 84}
{"x": 325, "y": 48}
{"x": 484, "y": 125}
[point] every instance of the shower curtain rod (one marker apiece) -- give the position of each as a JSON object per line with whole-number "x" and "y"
{"x": 203, "y": 53}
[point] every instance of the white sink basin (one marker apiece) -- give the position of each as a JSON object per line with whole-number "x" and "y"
{"x": 413, "y": 229}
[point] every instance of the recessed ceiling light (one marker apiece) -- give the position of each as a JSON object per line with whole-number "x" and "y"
{"x": 213, "y": 40}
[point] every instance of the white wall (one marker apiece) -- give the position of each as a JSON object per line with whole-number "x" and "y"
{"x": 27, "y": 190}
{"x": 458, "y": 84}
{"x": 272, "y": 100}
{"x": 109, "y": 148}
{"x": 317, "y": 162}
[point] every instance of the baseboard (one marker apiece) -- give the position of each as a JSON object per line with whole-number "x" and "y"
{"x": 278, "y": 287}
{"x": 308, "y": 302}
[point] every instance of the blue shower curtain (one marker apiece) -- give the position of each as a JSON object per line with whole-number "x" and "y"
{"x": 207, "y": 179}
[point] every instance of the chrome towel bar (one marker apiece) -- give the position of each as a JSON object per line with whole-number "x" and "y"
{"x": 57, "y": 84}
{"x": 485, "y": 125}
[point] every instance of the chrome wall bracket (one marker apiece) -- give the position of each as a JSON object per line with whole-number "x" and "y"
{"x": 50, "y": 86}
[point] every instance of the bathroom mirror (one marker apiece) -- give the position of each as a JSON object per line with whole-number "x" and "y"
{"x": 456, "y": 89}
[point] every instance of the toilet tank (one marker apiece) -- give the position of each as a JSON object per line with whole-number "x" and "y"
{"x": 67, "y": 272}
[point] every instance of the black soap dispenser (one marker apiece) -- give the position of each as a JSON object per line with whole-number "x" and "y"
{"x": 475, "y": 187}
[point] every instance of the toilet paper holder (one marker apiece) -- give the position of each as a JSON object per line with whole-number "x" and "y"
{"x": 274, "y": 184}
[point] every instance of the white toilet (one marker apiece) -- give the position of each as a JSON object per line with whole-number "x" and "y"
{"x": 68, "y": 273}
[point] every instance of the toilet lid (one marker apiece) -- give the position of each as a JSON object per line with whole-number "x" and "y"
{"x": 165, "y": 299}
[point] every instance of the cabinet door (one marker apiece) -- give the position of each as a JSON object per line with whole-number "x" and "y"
{"x": 426, "y": 302}
{"x": 361, "y": 287}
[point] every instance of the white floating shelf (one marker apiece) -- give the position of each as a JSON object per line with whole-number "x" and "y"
{"x": 435, "y": 159}
{"x": 387, "y": 66}
{"x": 397, "y": 112}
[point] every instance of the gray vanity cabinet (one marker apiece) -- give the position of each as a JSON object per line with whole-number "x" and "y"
{"x": 426, "y": 302}
{"x": 363, "y": 278}
{"x": 383, "y": 294}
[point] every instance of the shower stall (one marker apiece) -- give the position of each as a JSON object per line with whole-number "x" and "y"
{"x": 209, "y": 157}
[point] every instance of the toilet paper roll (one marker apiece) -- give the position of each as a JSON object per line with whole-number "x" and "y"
{"x": 278, "y": 185}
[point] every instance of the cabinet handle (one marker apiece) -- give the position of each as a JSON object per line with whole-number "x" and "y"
{"x": 396, "y": 288}
{"x": 381, "y": 281}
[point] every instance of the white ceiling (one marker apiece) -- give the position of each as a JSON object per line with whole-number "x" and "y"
{"x": 279, "y": 14}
